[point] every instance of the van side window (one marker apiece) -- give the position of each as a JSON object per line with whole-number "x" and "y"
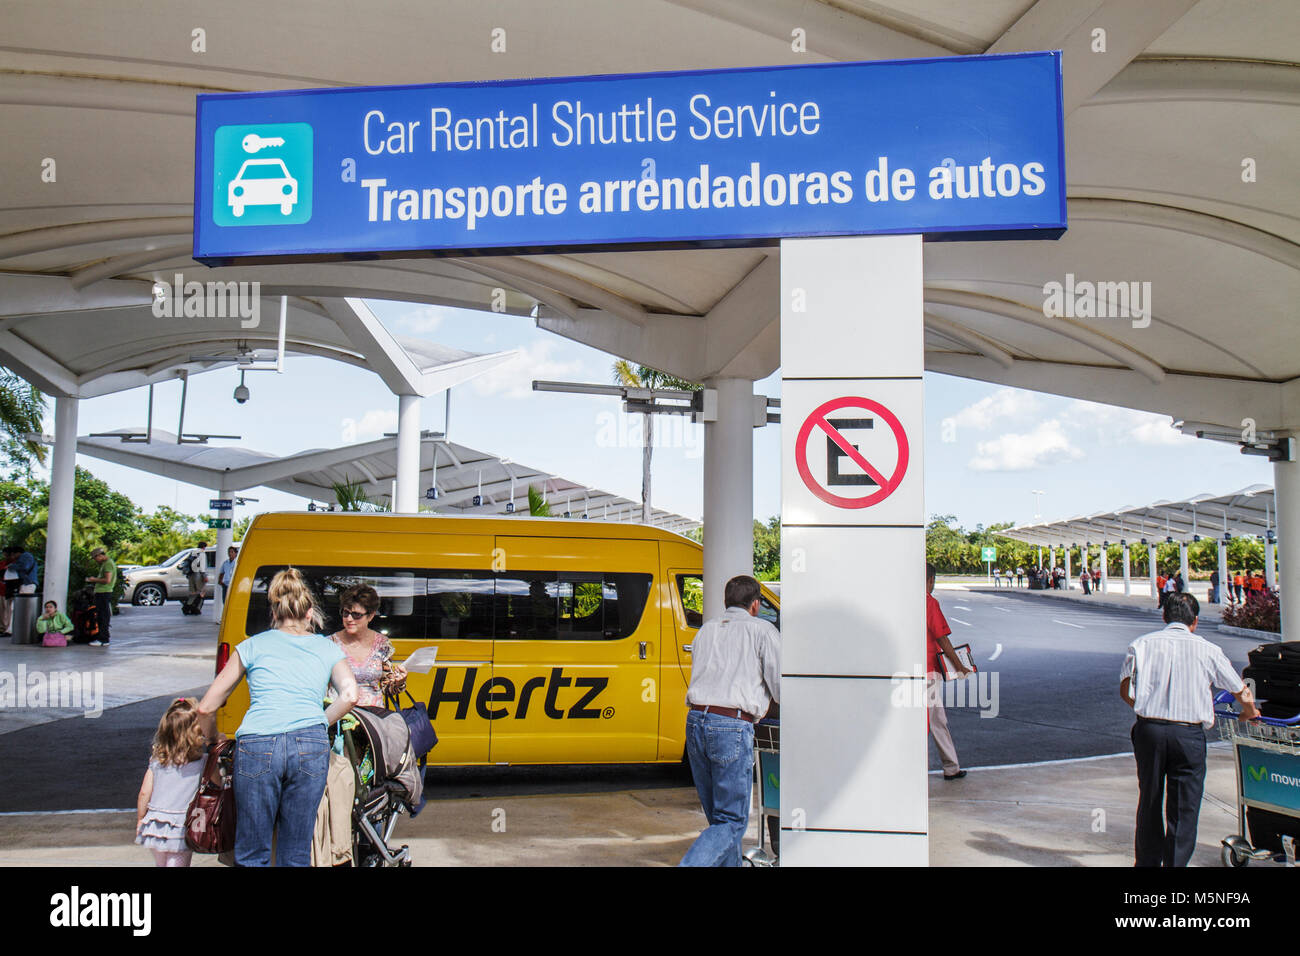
{"x": 401, "y": 598}
{"x": 527, "y": 605}
{"x": 691, "y": 589}
{"x": 460, "y": 604}
{"x": 570, "y": 605}
{"x": 768, "y": 612}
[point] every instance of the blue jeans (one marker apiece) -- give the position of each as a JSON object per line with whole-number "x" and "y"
{"x": 721, "y": 752}
{"x": 279, "y": 782}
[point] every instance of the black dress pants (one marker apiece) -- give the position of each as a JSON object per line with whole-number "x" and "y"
{"x": 1171, "y": 771}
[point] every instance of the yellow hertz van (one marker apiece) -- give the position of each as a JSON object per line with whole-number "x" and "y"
{"x": 559, "y": 641}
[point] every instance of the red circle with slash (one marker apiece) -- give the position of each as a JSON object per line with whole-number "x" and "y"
{"x": 887, "y": 486}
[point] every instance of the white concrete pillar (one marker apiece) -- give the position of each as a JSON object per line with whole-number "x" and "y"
{"x": 853, "y": 688}
{"x": 1040, "y": 557}
{"x": 1286, "y": 488}
{"x": 1051, "y": 558}
{"x": 1225, "y": 579}
{"x": 1153, "y": 566}
{"x": 1182, "y": 565}
{"x": 224, "y": 537}
{"x": 1270, "y": 569}
{"x": 1068, "y": 552}
{"x": 63, "y": 476}
{"x": 407, "y": 496}
{"x": 1104, "y": 566}
{"x": 1128, "y": 569}
{"x": 728, "y": 490}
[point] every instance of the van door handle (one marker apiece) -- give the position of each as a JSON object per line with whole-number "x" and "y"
{"x": 687, "y": 647}
{"x": 643, "y": 647}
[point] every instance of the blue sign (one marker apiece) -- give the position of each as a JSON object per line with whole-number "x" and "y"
{"x": 1268, "y": 776}
{"x": 221, "y": 504}
{"x": 962, "y": 147}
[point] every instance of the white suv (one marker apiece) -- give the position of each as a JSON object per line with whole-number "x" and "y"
{"x": 156, "y": 584}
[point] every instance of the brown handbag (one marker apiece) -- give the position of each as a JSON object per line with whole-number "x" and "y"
{"x": 210, "y": 820}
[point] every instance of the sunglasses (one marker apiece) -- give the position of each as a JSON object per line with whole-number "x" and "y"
{"x": 356, "y": 614}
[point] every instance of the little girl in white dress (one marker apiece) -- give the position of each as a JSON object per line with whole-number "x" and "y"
{"x": 175, "y": 766}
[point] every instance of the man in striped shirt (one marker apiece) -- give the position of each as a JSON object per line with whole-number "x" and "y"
{"x": 1166, "y": 679}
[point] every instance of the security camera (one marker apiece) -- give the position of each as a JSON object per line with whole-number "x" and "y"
{"x": 241, "y": 393}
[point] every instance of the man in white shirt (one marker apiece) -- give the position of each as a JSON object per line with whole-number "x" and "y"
{"x": 227, "y": 574}
{"x": 1166, "y": 679}
{"x": 735, "y": 676}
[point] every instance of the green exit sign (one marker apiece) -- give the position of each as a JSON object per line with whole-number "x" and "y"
{"x": 988, "y": 554}
{"x": 218, "y": 522}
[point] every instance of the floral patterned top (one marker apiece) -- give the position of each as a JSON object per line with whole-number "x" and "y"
{"x": 370, "y": 671}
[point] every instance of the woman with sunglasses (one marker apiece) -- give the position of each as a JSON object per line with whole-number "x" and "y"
{"x": 368, "y": 651}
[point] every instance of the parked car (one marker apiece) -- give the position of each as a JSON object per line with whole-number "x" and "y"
{"x": 153, "y": 585}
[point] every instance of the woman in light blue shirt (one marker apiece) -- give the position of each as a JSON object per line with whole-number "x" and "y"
{"x": 281, "y": 749}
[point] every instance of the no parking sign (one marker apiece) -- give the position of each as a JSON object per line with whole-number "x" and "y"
{"x": 883, "y": 480}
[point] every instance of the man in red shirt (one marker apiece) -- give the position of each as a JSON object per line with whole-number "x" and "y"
{"x": 936, "y": 643}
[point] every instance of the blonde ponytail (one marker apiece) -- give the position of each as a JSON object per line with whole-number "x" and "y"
{"x": 291, "y": 600}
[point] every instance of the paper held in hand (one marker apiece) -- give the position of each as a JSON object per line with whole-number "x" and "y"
{"x": 421, "y": 661}
{"x": 945, "y": 665}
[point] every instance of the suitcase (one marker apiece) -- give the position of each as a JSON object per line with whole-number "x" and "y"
{"x": 1275, "y": 671}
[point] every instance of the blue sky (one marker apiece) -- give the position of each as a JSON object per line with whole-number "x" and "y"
{"x": 986, "y": 447}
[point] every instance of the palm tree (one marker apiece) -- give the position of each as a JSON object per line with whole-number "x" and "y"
{"x": 537, "y": 504}
{"x": 22, "y": 410}
{"x": 642, "y": 376}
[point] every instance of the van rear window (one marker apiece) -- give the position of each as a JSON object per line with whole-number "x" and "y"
{"x": 422, "y": 603}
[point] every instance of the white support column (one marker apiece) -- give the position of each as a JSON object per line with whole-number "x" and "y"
{"x": 1068, "y": 552}
{"x": 1040, "y": 557}
{"x": 854, "y": 759}
{"x": 63, "y": 476}
{"x": 224, "y": 537}
{"x": 728, "y": 490}
{"x": 1286, "y": 488}
{"x": 1153, "y": 567}
{"x": 1183, "y": 567}
{"x": 407, "y": 497}
{"x": 1051, "y": 558}
{"x": 1225, "y": 580}
{"x": 1270, "y": 564}
{"x": 1128, "y": 570}
{"x": 1105, "y": 565}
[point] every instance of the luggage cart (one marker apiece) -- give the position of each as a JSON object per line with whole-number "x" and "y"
{"x": 767, "y": 770}
{"x": 1267, "y": 756}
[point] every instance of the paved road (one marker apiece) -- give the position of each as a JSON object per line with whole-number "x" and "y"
{"x": 1057, "y": 698}
{"x": 1058, "y": 675}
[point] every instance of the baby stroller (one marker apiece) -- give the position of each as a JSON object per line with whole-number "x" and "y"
{"x": 389, "y": 782}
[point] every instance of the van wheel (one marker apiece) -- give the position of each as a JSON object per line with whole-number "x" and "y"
{"x": 149, "y": 595}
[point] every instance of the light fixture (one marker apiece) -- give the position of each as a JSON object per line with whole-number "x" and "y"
{"x": 242, "y": 393}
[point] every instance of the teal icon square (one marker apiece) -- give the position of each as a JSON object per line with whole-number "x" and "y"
{"x": 262, "y": 174}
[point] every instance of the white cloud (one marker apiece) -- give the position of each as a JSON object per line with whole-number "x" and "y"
{"x": 514, "y": 379}
{"x": 1004, "y": 403}
{"x": 421, "y": 319}
{"x": 373, "y": 424}
{"x": 1045, "y": 445}
{"x": 1112, "y": 425}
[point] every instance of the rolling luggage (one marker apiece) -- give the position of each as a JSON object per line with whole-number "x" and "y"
{"x": 1275, "y": 671}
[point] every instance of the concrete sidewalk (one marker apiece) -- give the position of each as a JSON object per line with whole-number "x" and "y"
{"x": 1076, "y": 813}
{"x": 1070, "y": 813}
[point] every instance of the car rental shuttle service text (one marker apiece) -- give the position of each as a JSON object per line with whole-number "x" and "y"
{"x": 558, "y": 641}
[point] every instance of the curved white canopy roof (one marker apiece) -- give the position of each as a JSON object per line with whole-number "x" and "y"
{"x": 461, "y": 472}
{"x": 1162, "y": 130}
{"x": 1250, "y": 511}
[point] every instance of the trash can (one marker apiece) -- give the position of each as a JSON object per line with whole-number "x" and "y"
{"x": 23, "y": 624}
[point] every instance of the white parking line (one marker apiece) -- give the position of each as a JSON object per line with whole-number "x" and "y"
{"x": 51, "y": 813}
{"x": 960, "y": 607}
{"x": 1002, "y": 609}
{"x": 1068, "y": 624}
{"x": 960, "y": 621}
{"x": 1046, "y": 763}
